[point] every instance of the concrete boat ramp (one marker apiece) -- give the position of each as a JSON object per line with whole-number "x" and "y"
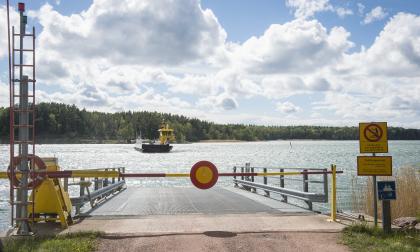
{"x": 141, "y": 211}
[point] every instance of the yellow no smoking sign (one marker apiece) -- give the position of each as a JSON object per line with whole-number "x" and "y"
{"x": 373, "y": 137}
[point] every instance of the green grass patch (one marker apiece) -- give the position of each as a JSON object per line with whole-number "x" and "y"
{"x": 362, "y": 237}
{"x": 77, "y": 242}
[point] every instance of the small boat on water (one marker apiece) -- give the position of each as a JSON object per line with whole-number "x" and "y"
{"x": 166, "y": 135}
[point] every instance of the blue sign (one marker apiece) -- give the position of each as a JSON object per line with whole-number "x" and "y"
{"x": 386, "y": 190}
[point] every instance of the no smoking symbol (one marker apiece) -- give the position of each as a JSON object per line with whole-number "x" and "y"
{"x": 373, "y": 132}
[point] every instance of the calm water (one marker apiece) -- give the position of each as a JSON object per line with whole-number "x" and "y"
{"x": 302, "y": 154}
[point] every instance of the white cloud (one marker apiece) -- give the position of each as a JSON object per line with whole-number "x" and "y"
{"x": 308, "y": 8}
{"x": 222, "y": 102}
{"x": 343, "y": 12}
{"x": 14, "y": 21}
{"x": 395, "y": 52}
{"x": 360, "y": 8}
{"x": 4, "y": 94}
{"x": 287, "y": 107}
{"x": 294, "y": 47}
{"x": 160, "y": 32}
{"x": 376, "y": 14}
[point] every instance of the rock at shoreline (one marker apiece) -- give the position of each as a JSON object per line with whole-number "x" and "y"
{"x": 405, "y": 222}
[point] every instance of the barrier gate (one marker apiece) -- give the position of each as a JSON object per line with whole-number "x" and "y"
{"x": 203, "y": 175}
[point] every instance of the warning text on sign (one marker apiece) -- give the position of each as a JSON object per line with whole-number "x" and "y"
{"x": 374, "y": 166}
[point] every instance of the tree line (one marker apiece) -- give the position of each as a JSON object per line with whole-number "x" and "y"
{"x": 67, "y": 123}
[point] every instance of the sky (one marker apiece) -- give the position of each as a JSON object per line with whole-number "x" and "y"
{"x": 272, "y": 62}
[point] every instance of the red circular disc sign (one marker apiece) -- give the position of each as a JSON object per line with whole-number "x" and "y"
{"x": 204, "y": 175}
{"x": 373, "y": 132}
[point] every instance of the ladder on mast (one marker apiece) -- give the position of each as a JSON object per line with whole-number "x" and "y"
{"x": 22, "y": 123}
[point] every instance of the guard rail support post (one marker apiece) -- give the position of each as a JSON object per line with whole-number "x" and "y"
{"x": 106, "y": 180}
{"x": 306, "y": 187}
{"x": 96, "y": 186}
{"x": 282, "y": 185}
{"x": 247, "y": 165}
{"x": 325, "y": 180}
{"x": 113, "y": 179}
{"x": 267, "y": 193}
{"x": 234, "y": 177}
{"x": 66, "y": 184}
{"x": 253, "y": 189}
{"x": 333, "y": 193}
{"x": 81, "y": 194}
{"x": 242, "y": 171}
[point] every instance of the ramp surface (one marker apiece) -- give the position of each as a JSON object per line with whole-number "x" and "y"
{"x": 173, "y": 201}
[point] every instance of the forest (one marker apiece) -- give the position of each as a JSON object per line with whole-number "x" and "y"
{"x": 62, "y": 123}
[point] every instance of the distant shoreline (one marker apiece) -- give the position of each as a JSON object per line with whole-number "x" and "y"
{"x": 96, "y": 141}
{"x": 223, "y": 141}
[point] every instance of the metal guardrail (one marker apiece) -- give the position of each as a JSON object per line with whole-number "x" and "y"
{"x": 102, "y": 187}
{"x": 249, "y": 183}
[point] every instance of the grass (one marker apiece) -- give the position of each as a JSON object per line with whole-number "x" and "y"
{"x": 362, "y": 237}
{"x": 74, "y": 242}
{"x": 408, "y": 191}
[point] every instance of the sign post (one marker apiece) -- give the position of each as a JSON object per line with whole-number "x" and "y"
{"x": 373, "y": 138}
{"x": 386, "y": 192}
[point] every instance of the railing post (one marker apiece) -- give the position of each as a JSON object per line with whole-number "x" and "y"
{"x": 267, "y": 193}
{"x": 333, "y": 194}
{"x": 306, "y": 187}
{"x": 253, "y": 189}
{"x": 282, "y": 185}
{"x": 247, "y": 165}
{"x": 113, "y": 178}
{"x": 66, "y": 184}
{"x": 242, "y": 171}
{"x": 325, "y": 178}
{"x": 234, "y": 177}
{"x": 96, "y": 186}
{"x": 119, "y": 172}
{"x": 106, "y": 180}
{"x": 81, "y": 194}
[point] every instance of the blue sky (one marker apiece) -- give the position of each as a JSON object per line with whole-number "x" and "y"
{"x": 316, "y": 62}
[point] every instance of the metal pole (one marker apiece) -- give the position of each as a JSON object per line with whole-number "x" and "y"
{"x": 267, "y": 193}
{"x": 306, "y": 187}
{"x": 375, "y": 200}
{"x": 254, "y": 190}
{"x": 282, "y": 185}
{"x": 386, "y": 216}
{"x": 11, "y": 129}
{"x": 234, "y": 177}
{"x": 12, "y": 120}
{"x": 325, "y": 180}
{"x": 333, "y": 194}
{"x": 66, "y": 184}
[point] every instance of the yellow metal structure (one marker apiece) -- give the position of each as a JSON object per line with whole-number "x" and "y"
{"x": 166, "y": 134}
{"x": 50, "y": 199}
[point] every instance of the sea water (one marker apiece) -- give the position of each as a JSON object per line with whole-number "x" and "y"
{"x": 282, "y": 154}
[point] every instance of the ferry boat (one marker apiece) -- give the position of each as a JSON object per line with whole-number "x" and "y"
{"x": 166, "y": 135}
